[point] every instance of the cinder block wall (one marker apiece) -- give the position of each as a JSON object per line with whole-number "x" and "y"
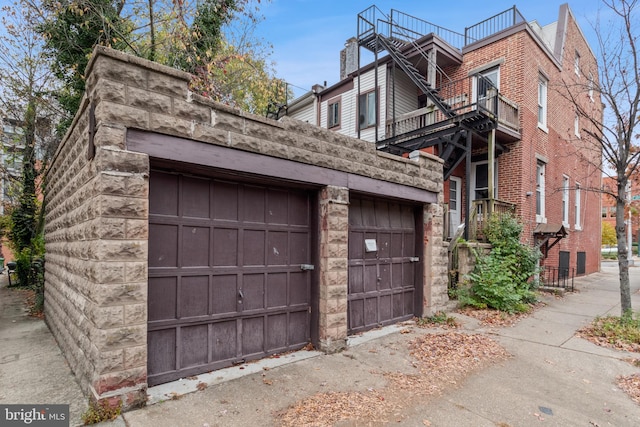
{"x": 97, "y": 214}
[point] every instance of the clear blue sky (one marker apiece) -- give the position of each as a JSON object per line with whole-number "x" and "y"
{"x": 307, "y": 35}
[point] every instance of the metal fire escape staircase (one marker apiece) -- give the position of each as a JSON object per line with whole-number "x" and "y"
{"x": 450, "y": 132}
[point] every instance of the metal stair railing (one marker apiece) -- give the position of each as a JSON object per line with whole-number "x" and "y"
{"x": 415, "y": 76}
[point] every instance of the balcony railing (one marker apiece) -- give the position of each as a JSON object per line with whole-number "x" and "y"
{"x": 481, "y": 210}
{"x": 459, "y": 96}
{"x": 493, "y": 25}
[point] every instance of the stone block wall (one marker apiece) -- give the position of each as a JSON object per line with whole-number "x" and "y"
{"x": 97, "y": 213}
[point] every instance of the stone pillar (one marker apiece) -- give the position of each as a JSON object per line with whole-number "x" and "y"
{"x": 435, "y": 296}
{"x": 334, "y": 240}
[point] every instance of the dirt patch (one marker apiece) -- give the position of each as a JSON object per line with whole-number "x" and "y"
{"x": 442, "y": 361}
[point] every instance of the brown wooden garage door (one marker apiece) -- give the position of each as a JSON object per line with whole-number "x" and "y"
{"x": 382, "y": 263}
{"x": 225, "y": 277}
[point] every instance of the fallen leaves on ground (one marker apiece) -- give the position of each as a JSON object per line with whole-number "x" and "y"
{"x": 631, "y": 385}
{"x": 441, "y": 360}
{"x": 491, "y": 317}
{"x": 599, "y": 336}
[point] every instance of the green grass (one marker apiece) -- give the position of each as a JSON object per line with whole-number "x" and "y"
{"x": 616, "y": 329}
{"x": 439, "y": 318}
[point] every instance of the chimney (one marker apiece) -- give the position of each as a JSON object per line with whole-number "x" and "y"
{"x": 349, "y": 58}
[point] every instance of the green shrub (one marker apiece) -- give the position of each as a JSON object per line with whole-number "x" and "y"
{"x": 502, "y": 279}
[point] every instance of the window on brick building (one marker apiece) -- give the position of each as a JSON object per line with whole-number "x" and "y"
{"x": 591, "y": 84}
{"x": 578, "y": 222}
{"x": 576, "y": 64}
{"x": 576, "y": 125}
{"x": 604, "y": 211}
{"x": 540, "y": 192}
{"x": 542, "y": 102}
{"x": 565, "y": 201}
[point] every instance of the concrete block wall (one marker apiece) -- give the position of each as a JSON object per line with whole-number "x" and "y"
{"x": 97, "y": 214}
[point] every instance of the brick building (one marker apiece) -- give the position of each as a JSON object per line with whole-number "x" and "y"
{"x": 498, "y": 104}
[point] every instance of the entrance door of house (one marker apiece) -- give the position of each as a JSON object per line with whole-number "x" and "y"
{"x": 455, "y": 203}
{"x": 563, "y": 264}
{"x": 229, "y": 277}
{"x": 383, "y": 261}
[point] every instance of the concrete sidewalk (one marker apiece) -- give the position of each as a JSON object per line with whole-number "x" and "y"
{"x": 32, "y": 367}
{"x": 554, "y": 378}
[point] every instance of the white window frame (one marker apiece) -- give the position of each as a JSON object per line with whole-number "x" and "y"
{"x": 576, "y": 125}
{"x": 565, "y": 200}
{"x": 578, "y": 198}
{"x": 540, "y": 191}
{"x": 330, "y": 114}
{"x": 485, "y": 73}
{"x": 542, "y": 102}
{"x": 576, "y": 64}
{"x": 591, "y": 84}
{"x": 370, "y": 104}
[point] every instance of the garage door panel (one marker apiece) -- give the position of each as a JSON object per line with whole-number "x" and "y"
{"x": 298, "y": 328}
{"x": 384, "y": 277}
{"x": 356, "y": 314}
{"x": 225, "y": 247}
{"x": 299, "y": 288}
{"x": 196, "y": 201}
{"x": 253, "y": 247}
{"x": 225, "y": 282}
{"x": 277, "y": 332}
{"x": 161, "y": 347}
{"x": 382, "y": 214}
{"x": 299, "y": 247}
{"x": 225, "y": 201}
{"x": 277, "y": 290}
{"x": 278, "y": 248}
{"x": 194, "y": 296}
{"x": 254, "y": 204}
{"x": 253, "y": 292}
{"x": 371, "y": 311}
{"x": 163, "y": 193}
{"x": 299, "y": 210}
{"x": 368, "y": 213}
{"x": 370, "y": 278}
{"x": 253, "y": 335}
{"x": 195, "y": 246}
{"x": 163, "y": 245}
{"x": 278, "y": 207}
{"x": 381, "y": 281}
{"x": 192, "y": 352}
{"x": 225, "y": 294}
{"x": 162, "y": 298}
{"x": 224, "y": 340}
{"x": 356, "y": 282}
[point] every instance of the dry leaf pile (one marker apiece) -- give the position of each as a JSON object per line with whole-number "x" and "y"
{"x": 441, "y": 360}
{"x": 631, "y": 386}
{"x": 491, "y": 317}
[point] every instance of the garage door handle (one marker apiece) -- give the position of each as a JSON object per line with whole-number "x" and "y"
{"x": 307, "y": 267}
{"x": 241, "y": 294}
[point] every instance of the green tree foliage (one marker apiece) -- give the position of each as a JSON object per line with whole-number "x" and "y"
{"x": 72, "y": 28}
{"x": 502, "y": 279}
{"x": 608, "y": 234}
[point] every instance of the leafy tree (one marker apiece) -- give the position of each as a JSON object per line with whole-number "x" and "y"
{"x": 618, "y": 85}
{"x": 608, "y": 234}
{"x": 72, "y": 28}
